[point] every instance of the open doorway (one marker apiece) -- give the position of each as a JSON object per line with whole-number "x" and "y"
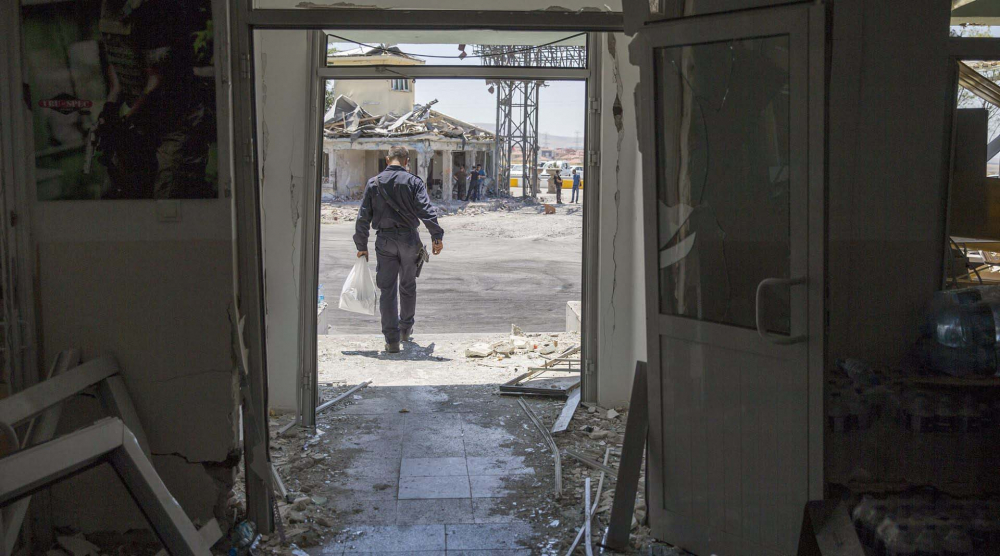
{"x": 429, "y": 436}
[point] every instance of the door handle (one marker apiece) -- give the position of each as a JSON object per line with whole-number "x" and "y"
{"x": 769, "y": 336}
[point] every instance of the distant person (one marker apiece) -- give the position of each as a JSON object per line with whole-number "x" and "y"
{"x": 473, "y": 193}
{"x": 395, "y": 203}
{"x": 482, "y": 181}
{"x": 557, "y": 181}
{"x": 460, "y": 177}
{"x": 575, "y": 197}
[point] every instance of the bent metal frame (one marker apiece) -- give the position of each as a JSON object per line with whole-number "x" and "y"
{"x": 119, "y": 441}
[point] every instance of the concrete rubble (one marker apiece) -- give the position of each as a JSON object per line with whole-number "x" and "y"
{"x": 348, "y": 119}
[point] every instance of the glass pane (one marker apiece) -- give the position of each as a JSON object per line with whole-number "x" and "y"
{"x": 356, "y": 47}
{"x": 723, "y": 180}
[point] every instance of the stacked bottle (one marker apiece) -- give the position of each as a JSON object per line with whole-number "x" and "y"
{"x": 916, "y": 526}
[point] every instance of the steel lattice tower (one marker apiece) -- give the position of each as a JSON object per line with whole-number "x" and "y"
{"x": 517, "y": 106}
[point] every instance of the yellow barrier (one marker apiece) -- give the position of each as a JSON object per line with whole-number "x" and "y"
{"x": 567, "y": 183}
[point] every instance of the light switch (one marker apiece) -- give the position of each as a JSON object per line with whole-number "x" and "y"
{"x": 168, "y": 210}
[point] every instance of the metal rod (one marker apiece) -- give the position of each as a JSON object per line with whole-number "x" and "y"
{"x": 548, "y": 439}
{"x": 327, "y": 405}
{"x": 591, "y": 508}
{"x": 592, "y": 463}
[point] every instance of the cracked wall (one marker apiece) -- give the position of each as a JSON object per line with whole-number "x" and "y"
{"x": 282, "y": 78}
{"x": 113, "y": 279}
{"x": 621, "y": 293}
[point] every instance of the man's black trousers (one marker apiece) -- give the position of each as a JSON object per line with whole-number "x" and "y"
{"x": 396, "y": 253}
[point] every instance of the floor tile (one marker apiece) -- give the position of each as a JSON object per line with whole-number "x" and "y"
{"x": 509, "y": 465}
{"x": 494, "y": 510}
{"x": 440, "y": 511}
{"x": 345, "y": 512}
{"x": 488, "y": 536}
{"x": 427, "y": 444}
{"x": 363, "y": 488}
{"x": 489, "y": 486}
{"x": 433, "y": 487}
{"x": 434, "y": 467}
{"x": 391, "y": 538}
{"x": 521, "y": 552}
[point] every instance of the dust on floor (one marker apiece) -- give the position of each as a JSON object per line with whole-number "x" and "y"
{"x": 431, "y": 458}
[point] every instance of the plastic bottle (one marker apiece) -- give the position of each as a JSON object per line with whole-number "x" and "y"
{"x": 886, "y": 529}
{"x": 870, "y": 521}
{"x": 900, "y": 543}
{"x": 968, "y": 415}
{"x": 957, "y": 543}
{"x": 921, "y": 414}
{"x": 927, "y": 541}
{"x": 837, "y": 412}
{"x": 946, "y": 415}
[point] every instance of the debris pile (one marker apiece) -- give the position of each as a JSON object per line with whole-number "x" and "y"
{"x": 518, "y": 342}
{"x": 347, "y": 119}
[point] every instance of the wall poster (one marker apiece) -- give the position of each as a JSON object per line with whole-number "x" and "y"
{"x": 122, "y": 96}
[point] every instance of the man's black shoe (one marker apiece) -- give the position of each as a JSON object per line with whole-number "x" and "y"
{"x": 392, "y": 348}
{"x": 406, "y": 334}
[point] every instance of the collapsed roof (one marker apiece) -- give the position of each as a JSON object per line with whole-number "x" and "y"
{"x": 347, "y": 119}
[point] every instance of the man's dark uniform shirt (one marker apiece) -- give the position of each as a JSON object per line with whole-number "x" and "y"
{"x": 409, "y": 192}
{"x": 397, "y": 246}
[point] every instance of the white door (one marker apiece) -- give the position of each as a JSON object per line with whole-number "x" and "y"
{"x": 732, "y": 143}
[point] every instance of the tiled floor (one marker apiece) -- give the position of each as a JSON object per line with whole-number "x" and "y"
{"x": 433, "y": 470}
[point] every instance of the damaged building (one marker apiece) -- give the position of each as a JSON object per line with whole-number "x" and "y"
{"x": 788, "y": 327}
{"x": 370, "y": 115}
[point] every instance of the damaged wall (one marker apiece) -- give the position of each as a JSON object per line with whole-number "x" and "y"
{"x": 113, "y": 278}
{"x": 621, "y": 293}
{"x": 282, "y": 76}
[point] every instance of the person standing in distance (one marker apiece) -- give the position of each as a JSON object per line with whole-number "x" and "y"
{"x": 395, "y": 203}
{"x": 575, "y": 197}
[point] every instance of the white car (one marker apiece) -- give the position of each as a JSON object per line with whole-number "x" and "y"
{"x": 516, "y": 171}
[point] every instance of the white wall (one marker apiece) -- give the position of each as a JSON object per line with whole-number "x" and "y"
{"x": 376, "y": 95}
{"x": 621, "y": 294}
{"x": 282, "y": 77}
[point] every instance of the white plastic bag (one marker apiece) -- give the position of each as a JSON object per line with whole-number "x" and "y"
{"x": 360, "y": 295}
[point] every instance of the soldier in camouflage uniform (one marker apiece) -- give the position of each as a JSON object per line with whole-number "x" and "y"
{"x": 158, "y": 121}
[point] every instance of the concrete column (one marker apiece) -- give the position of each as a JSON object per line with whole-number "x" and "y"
{"x": 446, "y": 172}
{"x": 470, "y": 161}
{"x": 423, "y": 165}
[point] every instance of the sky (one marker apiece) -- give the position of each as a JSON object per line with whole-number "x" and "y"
{"x": 561, "y": 103}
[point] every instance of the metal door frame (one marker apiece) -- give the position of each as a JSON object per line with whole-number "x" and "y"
{"x": 244, "y": 20}
{"x": 805, "y": 25}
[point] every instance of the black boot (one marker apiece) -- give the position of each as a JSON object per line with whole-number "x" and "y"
{"x": 406, "y": 334}
{"x": 392, "y": 348}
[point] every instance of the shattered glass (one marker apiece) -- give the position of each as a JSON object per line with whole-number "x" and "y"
{"x": 723, "y": 180}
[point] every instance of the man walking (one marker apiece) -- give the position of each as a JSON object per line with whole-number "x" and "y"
{"x": 395, "y": 203}
{"x": 557, "y": 181}
{"x": 473, "y": 193}
{"x": 575, "y": 197}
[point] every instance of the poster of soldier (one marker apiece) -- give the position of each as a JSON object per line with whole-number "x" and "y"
{"x": 122, "y": 96}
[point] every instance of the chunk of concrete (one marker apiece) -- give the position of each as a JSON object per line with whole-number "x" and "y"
{"x": 574, "y": 319}
{"x": 479, "y": 350}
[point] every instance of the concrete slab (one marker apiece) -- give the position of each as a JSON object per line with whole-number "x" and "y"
{"x": 428, "y": 512}
{"x": 434, "y": 467}
{"x": 488, "y": 536}
{"x": 503, "y": 465}
{"x": 433, "y": 487}
{"x": 390, "y": 538}
{"x": 346, "y": 512}
{"x": 429, "y": 444}
{"x": 524, "y": 552}
{"x": 494, "y": 510}
{"x": 364, "y": 488}
{"x": 489, "y": 486}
